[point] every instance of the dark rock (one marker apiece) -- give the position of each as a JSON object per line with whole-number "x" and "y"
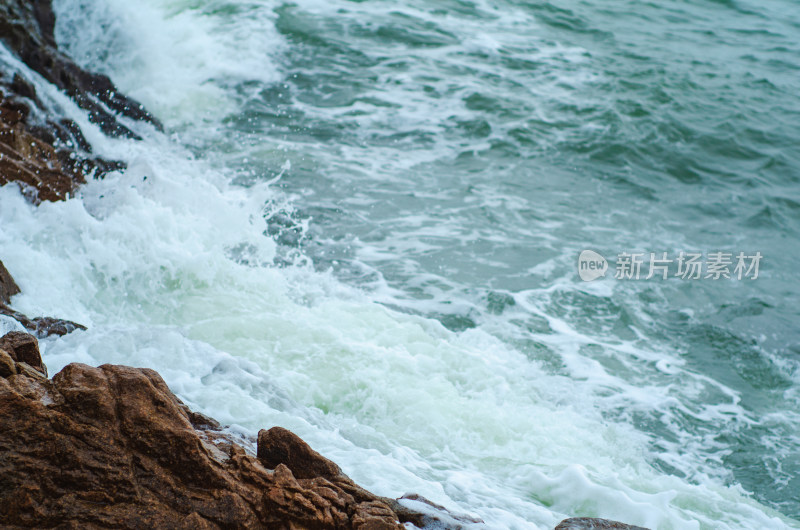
{"x": 46, "y": 326}
{"x": 280, "y": 446}
{"x": 22, "y": 94}
{"x": 45, "y": 153}
{"x": 42, "y": 326}
{"x": 7, "y": 364}
{"x": 23, "y": 88}
{"x": 23, "y": 348}
{"x": 48, "y": 159}
{"x": 423, "y": 513}
{"x": 589, "y": 523}
{"x": 112, "y": 447}
{"x": 8, "y": 287}
{"x": 27, "y": 28}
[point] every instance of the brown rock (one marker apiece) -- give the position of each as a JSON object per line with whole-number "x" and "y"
{"x": 7, "y": 365}
{"x": 589, "y": 523}
{"x": 28, "y": 152}
{"x": 29, "y": 371}
{"x": 113, "y": 447}
{"x": 34, "y": 164}
{"x": 280, "y": 446}
{"x": 23, "y": 348}
{"x": 8, "y": 287}
{"x": 44, "y": 151}
{"x": 374, "y": 516}
{"x": 201, "y": 422}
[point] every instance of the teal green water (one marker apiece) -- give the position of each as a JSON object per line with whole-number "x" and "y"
{"x": 465, "y": 153}
{"x": 452, "y": 159}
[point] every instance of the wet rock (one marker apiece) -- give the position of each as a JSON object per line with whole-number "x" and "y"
{"x": 422, "y": 513}
{"x": 280, "y": 446}
{"x": 32, "y": 163}
{"x": 27, "y": 28}
{"x": 42, "y": 326}
{"x": 46, "y": 326}
{"x": 7, "y": 364}
{"x": 49, "y": 157}
{"x": 43, "y": 151}
{"x": 202, "y": 422}
{"x": 8, "y": 287}
{"x": 589, "y": 523}
{"x": 113, "y": 447}
{"x": 23, "y": 348}
{"x": 30, "y": 372}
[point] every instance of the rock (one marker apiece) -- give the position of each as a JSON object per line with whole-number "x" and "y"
{"x": 44, "y": 152}
{"x": 32, "y": 163}
{"x": 113, "y": 447}
{"x": 48, "y": 156}
{"x": 280, "y": 446}
{"x": 422, "y": 513}
{"x": 201, "y": 422}
{"x": 7, "y": 364}
{"x": 42, "y": 326}
{"x": 27, "y": 28}
{"x": 46, "y": 326}
{"x": 589, "y": 523}
{"x": 8, "y": 287}
{"x": 27, "y": 370}
{"x": 23, "y": 348}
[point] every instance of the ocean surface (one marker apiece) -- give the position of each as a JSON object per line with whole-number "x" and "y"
{"x": 363, "y": 224}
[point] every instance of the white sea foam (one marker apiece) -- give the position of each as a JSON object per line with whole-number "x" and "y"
{"x": 397, "y": 400}
{"x": 168, "y": 266}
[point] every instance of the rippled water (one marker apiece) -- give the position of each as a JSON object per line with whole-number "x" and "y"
{"x": 364, "y": 224}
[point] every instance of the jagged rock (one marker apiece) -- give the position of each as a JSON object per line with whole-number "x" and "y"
{"x": 202, "y": 422}
{"x": 422, "y": 513}
{"x": 23, "y": 348}
{"x": 49, "y": 157}
{"x": 589, "y": 523}
{"x": 46, "y": 154}
{"x": 32, "y": 163}
{"x": 113, "y": 447}
{"x": 8, "y": 287}
{"x": 280, "y": 446}
{"x": 40, "y": 326}
{"x": 27, "y": 28}
{"x": 7, "y": 364}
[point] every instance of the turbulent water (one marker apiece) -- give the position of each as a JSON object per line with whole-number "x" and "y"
{"x": 363, "y": 224}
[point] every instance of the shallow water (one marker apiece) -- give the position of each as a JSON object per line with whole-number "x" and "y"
{"x": 364, "y": 220}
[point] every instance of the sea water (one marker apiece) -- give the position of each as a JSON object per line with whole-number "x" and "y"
{"x": 363, "y": 223}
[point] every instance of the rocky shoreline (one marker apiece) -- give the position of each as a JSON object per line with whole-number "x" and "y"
{"x": 113, "y": 447}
